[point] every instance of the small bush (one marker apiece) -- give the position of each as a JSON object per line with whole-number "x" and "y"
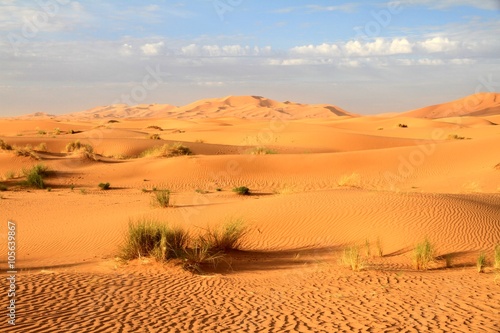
{"x": 151, "y": 238}
{"x": 352, "y": 258}
{"x": 455, "y": 137}
{"x": 242, "y": 190}
{"x": 199, "y": 190}
{"x": 262, "y": 151}
{"x": 4, "y": 145}
{"x": 104, "y": 186}
{"x": 35, "y": 175}
{"x": 26, "y": 152}
{"x": 218, "y": 189}
{"x": 10, "y": 174}
{"x": 155, "y": 137}
{"x": 496, "y": 257}
{"x": 226, "y": 237}
{"x": 57, "y": 131}
{"x": 166, "y": 150}
{"x": 162, "y": 198}
{"x": 481, "y": 262}
{"x": 403, "y": 125}
{"x": 199, "y": 255}
{"x": 85, "y": 151}
{"x": 423, "y": 255}
{"x": 41, "y": 147}
{"x": 41, "y": 132}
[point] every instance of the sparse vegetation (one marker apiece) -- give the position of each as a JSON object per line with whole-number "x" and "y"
{"x": 403, "y": 125}
{"x": 35, "y": 176}
{"x": 218, "y": 189}
{"x": 199, "y": 190}
{"x": 351, "y": 257}
{"x": 27, "y": 151}
{"x": 155, "y": 127}
{"x": 3, "y": 188}
{"x": 176, "y": 149}
{"x": 262, "y": 151}
{"x": 57, "y": 131}
{"x": 41, "y": 132}
{"x": 41, "y": 147}
{"x": 242, "y": 190}
{"x": 226, "y": 237}
{"x": 162, "y": 198}
{"x": 151, "y": 238}
{"x": 496, "y": 257}
{"x": 481, "y": 262}
{"x": 368, "y": 250}
{"x": 352, "y": 180}
{"x": 380, "y": 250}
{"x": 10, "y": 174}
{"x": 448, "y": 260}
{"x": 85, "y": 151}
{"x": 155, "y": 137}
{"x": 455, "y": 137}
{"x": 4, "y": 145}
{"x": 423, "y": 255}
{"x": 104, "y": 186}
{"x": 196, "y": 257}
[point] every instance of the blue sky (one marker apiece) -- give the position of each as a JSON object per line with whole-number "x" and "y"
{"x": 61, "y": 56}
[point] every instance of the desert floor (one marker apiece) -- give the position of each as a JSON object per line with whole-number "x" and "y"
{"x": 331, "y": 183}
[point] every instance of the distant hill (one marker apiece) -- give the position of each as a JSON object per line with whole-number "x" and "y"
{"x": 481, "y": 104}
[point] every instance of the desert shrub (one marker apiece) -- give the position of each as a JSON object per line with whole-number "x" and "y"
{"x": 403, "y": 125}
{"x": 496, "y": 257}
{"x": 41, "y": 147}
{"x": 27, "y": 151}
{"x": 351, "y": 258}
{"x": 200, "y": 254}
{"x": 218, "y": 189}
{"x": 176, "y": 149}
{"x": 162, "y": 198}
{"x": 151, "y": 238}
{"x": 113, "y": 121}
{"x": 57, "y": 131}
{"x": 352, "y": 180}
{"x": 155, "y": 137}
{"x": 481, "y": 262}
{"x": 35, "y": 175}
{"x": 242, "y": 190}
{"x": 4, "y": 145}
{"x": 455, "y": 137}
{"x": 85, "y": 151}
{"x": 225, "y": 237}
{"x": 3, "y": 188}
{"x": 423, "y": 255}
{"x": 155, "y": 127}
{"x": 262, "y": 151}
{"x": 41, "y": 132}
{"x": 104, "y": 186}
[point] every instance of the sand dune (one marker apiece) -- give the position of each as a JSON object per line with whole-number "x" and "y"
{"x": 330, "y": 180}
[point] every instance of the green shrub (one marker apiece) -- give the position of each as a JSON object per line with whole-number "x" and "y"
{"x": 41, "y": 147}
{"x": 26, "y": 152}
{"x": 423, "y": 255}
{"x": 481, "y": 262}
{"x": 199, "y": 255}
{"x": 226, "y": 237}
{"x": 151, "y": 238}
{"x": 104, "y": 186}
{"x": 35, "y": 175}
{"x": 162, "y": 197}
{"x": 242, "y": 190}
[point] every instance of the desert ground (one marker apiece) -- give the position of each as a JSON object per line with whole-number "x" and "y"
{"x": 321, "y": 180}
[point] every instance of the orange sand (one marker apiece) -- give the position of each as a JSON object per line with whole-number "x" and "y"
{"x": 337, "y": 179}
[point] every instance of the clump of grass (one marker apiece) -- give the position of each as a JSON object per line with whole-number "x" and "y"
{"x": 151, "y": 238}
{"x": 85, "y": 151}
{"x": 57, "y": 131}
{"x": 27, "y": 151}
{"x": 423, "y": 255}
{"x": 496, "y": 257}
{"x": 41, "y": 132}
{"x": 41, "y": 147}
{"x": 262, "y": 151}
{"x": 199, "y": 255}
{"x": 162, "y": 198}
{"x": 380, "y": 250}
{"x": 35, "y": 175}
{"x": 225, "y": 237}
{"x": 242, "y": 190}
{"x": 368, "y": 250}
{"x": 481, "y": 262}
{"x": 199, "y": 190}
{"x": 352, "y": 258}
{"x": 4, "y": 145}
{"x": 455, "y": 137}
{"x": 155, "y": 137}
{"x": 104, "y": 186}
{"x": 352, "y": 180}
{"x": 403, "y": 125}
{"x": 176, "y": 149}
{"x": 218, "y": 189}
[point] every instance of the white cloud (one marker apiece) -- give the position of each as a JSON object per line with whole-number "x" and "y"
{"x": 236, "y": 50}
{"x": 152, "y": 49}
{"x": 444, "y": 4}
{"x": 438, "y": 44}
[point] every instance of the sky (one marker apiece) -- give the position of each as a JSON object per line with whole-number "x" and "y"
{"x": 62, "y": 56}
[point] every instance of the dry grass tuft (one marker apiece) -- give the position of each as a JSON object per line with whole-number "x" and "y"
{"x": 176, "y": 149}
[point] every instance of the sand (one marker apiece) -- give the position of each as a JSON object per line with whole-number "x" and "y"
{"x": 335, "y": 179}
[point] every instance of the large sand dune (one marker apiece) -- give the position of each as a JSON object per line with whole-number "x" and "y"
{"x": 332, "y": 180}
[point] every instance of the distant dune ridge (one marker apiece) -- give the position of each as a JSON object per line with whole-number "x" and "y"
{"x": 258, "y": 107}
